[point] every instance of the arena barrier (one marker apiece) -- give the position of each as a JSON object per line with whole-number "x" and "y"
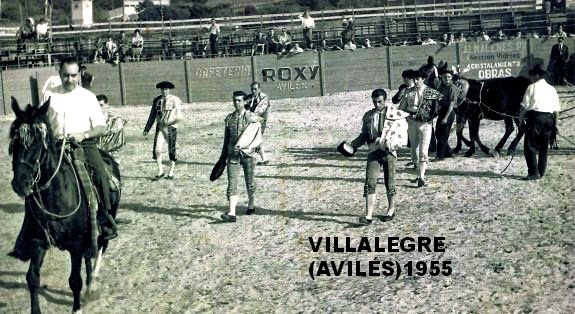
{"x": 302, "y": 75}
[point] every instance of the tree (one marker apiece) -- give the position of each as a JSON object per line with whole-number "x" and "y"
{"x": 250, "y": 9}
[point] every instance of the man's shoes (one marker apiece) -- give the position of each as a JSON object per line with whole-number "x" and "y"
{"x": 531, "y": 177}
{"x": 108, "y": 233}
{"x": 414, "y": 180}
{"x": 410, "y": 165}
{"x": 387, "y": 218}
{"x": 158, "y": 177}
{"x": 380, "y": 181}
{"x": 250, "y": 211}
{"x": 228, "y": 218}
{"x": 420, "y": 182}
{"x": 437, "y": 159}
{"x": 170, "y": 177}
{"x": 263, "y": 162}
{"x": 365, "y": 221}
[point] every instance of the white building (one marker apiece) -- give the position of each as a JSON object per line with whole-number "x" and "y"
{"x": 82, "y": 12}
{"x": 129, "y": 9}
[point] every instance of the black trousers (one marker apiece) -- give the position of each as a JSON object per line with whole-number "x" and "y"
{"x": 213, "y": 45}
{"x": 96, "y": 162}
{"x": 442, "y": 132}
{"x": 539, "y": 128}
{"x": 559, "y": 73}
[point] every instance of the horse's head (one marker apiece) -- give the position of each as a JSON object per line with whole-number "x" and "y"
{"x": 30, "y": 136}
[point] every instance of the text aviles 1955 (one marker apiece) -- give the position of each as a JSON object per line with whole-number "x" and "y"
{"x": 377, "y": 244}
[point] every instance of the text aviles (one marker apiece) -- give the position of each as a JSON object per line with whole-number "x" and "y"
{"x": 288, "y": 74}
{"x": 389, "y": 244}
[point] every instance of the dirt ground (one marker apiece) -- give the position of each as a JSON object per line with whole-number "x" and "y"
{"x": 510, "y": 242}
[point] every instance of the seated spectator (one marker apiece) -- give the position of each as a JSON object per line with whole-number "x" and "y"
{"x": 558, "y": 6}
{"x": 429, "y": 41}
{"x": 271, "y": 41}
{"x": 233, "y": 42}
{"x": 483, "y": 36}
{"x": 518, "y": 35}
{"x": 560, "y": 32}
{"x": 296, "y": 49}
{"x": 548, "y": 33}
{"x": 386, "y": 42}
{"x": 451, "y": 39}
{"x": 98, "y": 51}
{"x": 284, "y": 42}
{"x": 444, "y": 39}
{"x": 461, "y": 38}
{"x": 500, "y": 36}
{"x": 137, "y": 45}
{"x": 418, "y": 41}
{"x": 349, "y": 46}
{"x": 42, "y": 31}
{"x": 123, "y": 44}
{"x": 26, "y": 31}
{"x": 167, "y": 46}
{"x": 110, "y": 50}
{"x": 323, "y": 46}
{"x": 534, "y": 35}
{"x": 259, "y": 43}
{"x": 366, "y": 43}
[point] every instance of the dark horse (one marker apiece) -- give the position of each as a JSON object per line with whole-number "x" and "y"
{"x": 494, "y": 99}
{"x": 56, "y": 207}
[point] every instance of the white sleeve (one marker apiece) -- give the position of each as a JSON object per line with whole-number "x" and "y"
{"x": 527, "y": 98}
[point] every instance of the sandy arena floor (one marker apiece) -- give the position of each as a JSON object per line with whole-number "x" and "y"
{"x": 510, "y": 242}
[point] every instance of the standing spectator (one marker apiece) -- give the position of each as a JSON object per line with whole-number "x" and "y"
{"x": 98, "y": 51}
{"x": 137, "y": 45}
{"x": 42, "y": 31}
{"x": 214, "y": 33}
{"x": 559, "y": 57}
{"x": 559, "y": 5}
{"x": 540, "y": 107}
{"x": 166, "y": 112}
{"x": 271, "y": 41}
{"x": 348, "y": 32}
{"x": 259, "y": 103}
{"x": 86, "y": 79}
{"x": 384, "y": 130}
{"x": 123, "y": 45}
{"x": 446, "y": 113}
{"x": 259, "y": 43}
{"x": 284, "y": 42}
{"x": 236, "y": 157}
{"x": 307, "y": 24}
{"x": 420, "y": 102}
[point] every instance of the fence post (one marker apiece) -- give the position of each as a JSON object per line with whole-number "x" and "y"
{"x": 389, "y": 69}
{"x": 188, "y": 81}
{"x": 321, "y": 73}
{"x": 2, "y": 93}
{"x": 34, "y": 89}
{"x": 253, "y": 63}
{"x": 122, "y": 83}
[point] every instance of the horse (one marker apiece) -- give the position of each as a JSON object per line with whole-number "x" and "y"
{"x": 56, "y": 208}
{"x": 494, "y": 99}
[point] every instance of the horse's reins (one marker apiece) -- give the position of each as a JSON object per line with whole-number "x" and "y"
{"x": 45, "y": 186}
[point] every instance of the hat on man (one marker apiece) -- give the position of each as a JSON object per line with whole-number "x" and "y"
{"x": 407, "y": 74}
{"x": 165, "y": 84}
{"x": 419, "y": 73}
{"x": 346, "y": 149}
{"x": 537, "y": 70}
{"x": 445, "y": 70}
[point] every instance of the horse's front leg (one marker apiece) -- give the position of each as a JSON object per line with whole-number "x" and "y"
{"x": 513, "y": 145}
{"x": 88, "y": 264}
{"x": 508, "y": 130}
{"x": 33, "y": 277}
{"x": 473, "y": 136}
{"x": 460, "y": 126}
{"x": 482, "y": 146}
{"x": 75, "y": 279}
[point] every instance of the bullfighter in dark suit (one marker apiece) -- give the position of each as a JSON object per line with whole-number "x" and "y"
{"x": 239, "y": 154}
{"x": 559, "y": 56}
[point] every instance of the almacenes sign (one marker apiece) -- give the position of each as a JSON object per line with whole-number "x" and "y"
{"x": 290, "y": 78}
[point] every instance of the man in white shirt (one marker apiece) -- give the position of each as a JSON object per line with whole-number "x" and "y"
{"x": 214, "y": 33}
{"x": 259, "y": 103}
{"x": 75, "y": 113}
{"x": 540, "y": 108}
{"x": 307, "y": 24}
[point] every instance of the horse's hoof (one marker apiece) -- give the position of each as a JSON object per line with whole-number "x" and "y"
{"x": 469, "y": 154}
{"x": 510, "y": 152}
{"x": 456, "y": 150}
{"x": 494, "y": 153}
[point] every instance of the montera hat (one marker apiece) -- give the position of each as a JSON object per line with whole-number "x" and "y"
{"x": 346, "y": 149}
{"x": 445, "y": 70}
{"x": 419, "y": 73}
{"x": 165, "y": 84}
{"x": 537, "y": 70}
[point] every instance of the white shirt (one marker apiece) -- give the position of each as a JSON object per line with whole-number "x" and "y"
{"x": 307, "y": 22}
{"x": 541, "y": 97}
{"x": 214, "y": 29}
{"x": 77, "y": 111}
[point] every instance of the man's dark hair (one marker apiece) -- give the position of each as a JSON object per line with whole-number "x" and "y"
{"x": 407, "y": 73}
{"x": 102, "y": 97}
{"x": 379, "y": 92}
{"x": 68, "y": 60}
{"x": 239, "y": 93}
